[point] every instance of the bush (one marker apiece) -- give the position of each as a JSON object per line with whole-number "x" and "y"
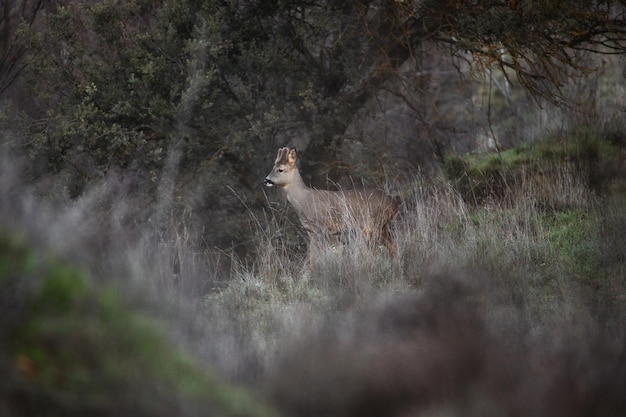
{"x": 72, "y": 348}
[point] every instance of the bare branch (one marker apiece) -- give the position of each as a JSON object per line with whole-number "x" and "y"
{"x": 541, "y": 41}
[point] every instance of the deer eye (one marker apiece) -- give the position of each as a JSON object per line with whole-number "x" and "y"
{"x": 280, "y": 169}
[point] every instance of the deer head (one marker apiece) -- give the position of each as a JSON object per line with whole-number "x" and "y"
{"x": 285, "y": 170}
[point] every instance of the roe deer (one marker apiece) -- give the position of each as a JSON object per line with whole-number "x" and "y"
{"x": 326, "y": 214}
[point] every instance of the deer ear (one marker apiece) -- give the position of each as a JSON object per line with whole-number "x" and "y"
{"x": 281, "y": 157}
{"x": 291, "y": 158}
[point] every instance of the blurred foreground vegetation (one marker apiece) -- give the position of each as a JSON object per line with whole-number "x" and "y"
{"x": 70, "y": 347}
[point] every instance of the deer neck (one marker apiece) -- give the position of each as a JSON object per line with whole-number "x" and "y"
{"x": 297, "y": 193}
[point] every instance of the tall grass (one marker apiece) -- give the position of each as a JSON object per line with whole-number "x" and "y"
{"x": 492, "y": 305}
{"x": 509, "y": 297}
{"x": 526, "y": 261}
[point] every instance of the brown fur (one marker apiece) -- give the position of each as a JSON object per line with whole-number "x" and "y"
{"x": 329, "y": 213}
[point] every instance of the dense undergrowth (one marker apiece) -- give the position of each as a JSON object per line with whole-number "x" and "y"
{"x": 508, "y": 297}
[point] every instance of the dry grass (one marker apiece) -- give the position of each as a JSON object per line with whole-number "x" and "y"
{"x": 511, "y": 303}
{"x": 497, "y": 308}
{"x": 519, "y": 266}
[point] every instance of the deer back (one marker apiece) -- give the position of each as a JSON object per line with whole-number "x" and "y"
{"x": 333, "y": 212}
{"x": 322, "y": 211}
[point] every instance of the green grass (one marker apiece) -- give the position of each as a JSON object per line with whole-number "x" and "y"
{"x": 486, "y": 177}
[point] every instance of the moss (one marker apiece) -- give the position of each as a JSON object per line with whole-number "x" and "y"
{"x": 570, "y": 235}
{"x": 479, "y": 178}
{"x": 595, "y": 160}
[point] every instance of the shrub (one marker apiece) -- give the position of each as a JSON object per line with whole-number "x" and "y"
{"x": 71, "y": 348}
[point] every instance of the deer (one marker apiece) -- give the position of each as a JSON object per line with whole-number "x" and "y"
{"x": 328, "y": 214}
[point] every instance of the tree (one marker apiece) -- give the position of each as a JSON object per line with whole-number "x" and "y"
{"x": 12, "y": 14}
{"x": 192, "y": 98}
{"x": 544, "y": 43}
{"x": 211, "y": 85}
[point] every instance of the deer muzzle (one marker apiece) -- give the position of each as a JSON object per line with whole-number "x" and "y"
{"x": 268, "y": 182}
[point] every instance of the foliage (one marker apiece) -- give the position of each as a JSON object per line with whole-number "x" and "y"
{"x": 14, "y": 14}
{"x": 102, "y": 93}
{"x": 192, "y": 93}
{"x": 212, "y": 74}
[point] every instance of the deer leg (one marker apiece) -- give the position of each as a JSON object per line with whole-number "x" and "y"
{"x": 315, "y": 245}
{"x": 389, "y": 242}
{"x": 370, "y": 238}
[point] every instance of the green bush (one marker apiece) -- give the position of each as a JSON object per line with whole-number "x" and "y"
{"x": 70, "y": 347}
